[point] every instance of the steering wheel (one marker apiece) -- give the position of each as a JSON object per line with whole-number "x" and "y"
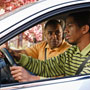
{"x": 9, "y": 60}
{"x": 6, "y": 76}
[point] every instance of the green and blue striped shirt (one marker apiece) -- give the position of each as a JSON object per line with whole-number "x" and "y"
{"x": 64, "y": 64}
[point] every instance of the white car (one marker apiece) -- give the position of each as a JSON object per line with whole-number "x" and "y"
{"x": 18, "y": 21}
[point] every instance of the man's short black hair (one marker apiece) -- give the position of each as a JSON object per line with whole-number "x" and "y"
{"x": 81, "y": 18}
{"x": 54, "y": 22}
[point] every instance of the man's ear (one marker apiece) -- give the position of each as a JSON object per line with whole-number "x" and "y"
{"x": 44, "y": 34}
{"x": 85, "y": 29}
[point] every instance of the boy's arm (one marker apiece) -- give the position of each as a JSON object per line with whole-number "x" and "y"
{"x": 48, "y": 68}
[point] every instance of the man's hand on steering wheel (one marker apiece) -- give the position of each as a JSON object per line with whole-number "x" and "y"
{"x": 13, "y": 53}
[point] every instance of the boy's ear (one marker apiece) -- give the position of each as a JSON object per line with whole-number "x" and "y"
{"x": 85, "y": 29}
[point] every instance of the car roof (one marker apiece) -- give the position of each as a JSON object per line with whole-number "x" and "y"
{"x": 9, "y": 22}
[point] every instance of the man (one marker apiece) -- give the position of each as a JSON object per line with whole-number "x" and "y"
{"x": 52, "y": 46}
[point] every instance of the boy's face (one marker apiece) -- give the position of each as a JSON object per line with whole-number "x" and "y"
{"x": 72, "y": 31}
{"x": 54, "y": 35}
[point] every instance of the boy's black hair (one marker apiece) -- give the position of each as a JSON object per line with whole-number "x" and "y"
{"x": 81, "y": 18}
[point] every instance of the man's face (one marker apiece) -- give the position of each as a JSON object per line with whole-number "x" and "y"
{"x": 73, "y": 31}
{"x": 54, "y": 35}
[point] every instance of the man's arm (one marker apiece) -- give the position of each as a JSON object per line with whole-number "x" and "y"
{"x": 48, "y": 68}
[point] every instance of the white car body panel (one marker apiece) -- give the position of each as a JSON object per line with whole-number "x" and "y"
{"x": 75, "y": 83}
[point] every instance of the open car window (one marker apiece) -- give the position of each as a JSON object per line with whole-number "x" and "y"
{"x": 27, "y": 38}
{"x": 27, "y": 35}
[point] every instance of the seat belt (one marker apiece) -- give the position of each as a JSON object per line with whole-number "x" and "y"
{"x": 45, "y": 57}
{"x": 45, "y": 53}
{"x": 82, "y": 65}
